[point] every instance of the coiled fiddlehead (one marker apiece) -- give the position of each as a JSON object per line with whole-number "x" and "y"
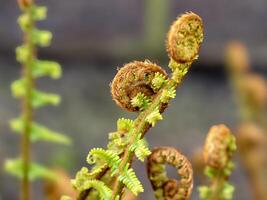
{"x": 165, "y": 188}
{"x": 133, "y": 78}
{"x": 218, "y": 150}
{"x": 146, "y": 88}
{"x": 24, "y": 88}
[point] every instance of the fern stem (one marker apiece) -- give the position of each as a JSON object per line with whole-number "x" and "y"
{"x": 140, "y": 127}
{"x": 27, "y": 112}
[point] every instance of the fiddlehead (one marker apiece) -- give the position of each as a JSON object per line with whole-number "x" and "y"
{"x": 252, "y": 145}
{"x": 165, "y": 188}
{"x": 250, "y": 88}
{"x": 31, "y": 98}
{"x": 146, "y": 88}
{"x": 185, "y": 37}
{"x": 218, "y": 150}
{"x": 133, "y": 78}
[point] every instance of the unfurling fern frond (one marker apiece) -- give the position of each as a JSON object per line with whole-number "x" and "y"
{"x": 165, "y": 188}
{"x": 109, "y": 157}
{"x": 104, "y": 191}
{"x": 218, "y": 150}
{"x": 146, "y": 88}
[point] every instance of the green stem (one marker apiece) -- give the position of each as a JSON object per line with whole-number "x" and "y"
{"x": 27, "y": 112}
{"x": 217, "y": 185}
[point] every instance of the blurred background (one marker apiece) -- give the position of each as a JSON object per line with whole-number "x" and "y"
{"x": 91, "y": 40}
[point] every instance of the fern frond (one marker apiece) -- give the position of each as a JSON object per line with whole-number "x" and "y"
{"x": 128, "y": 178}
{"x": 103, "y": 190}
{"x": 110, "y": 157}
{"x": 142, "y": 150}
{"x": 39, "y": 132}
{"x": 46, "y": 68}
{"x": 15, "y": 168}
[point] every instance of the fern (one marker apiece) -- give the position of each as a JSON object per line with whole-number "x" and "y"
{"x": 146, "y": 88}
{"x": 110, "y": 158}
{"x": 218, "y": 150}
{"x": 128, "y": 178}
{"x": 24, "y": 89}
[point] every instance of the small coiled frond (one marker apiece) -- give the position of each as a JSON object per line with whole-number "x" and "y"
{"x": 218, "y": 150}
{"x": 165, "y": 188}
{"x": 219, "y": 147}
{"x": 134, "y": 78}
{"x": 109, "y": 157}
{"x": 184, "y": 38}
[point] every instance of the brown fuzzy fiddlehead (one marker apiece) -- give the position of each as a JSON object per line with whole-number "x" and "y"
{"x": 165, "y": 188}
{"x": 133, "y": 78}
{"x": 218, "y": 150}
{"x": 185, "y": 37}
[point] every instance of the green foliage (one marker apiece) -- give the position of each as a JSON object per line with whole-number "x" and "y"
{"x": 24, "y": 89}
{"x": 15, "y": 167}
{"x": 109, "y": 157}
{"x": 158, "y": 81}
{"x": 128, "y": 178}
{"x": 46, "y": 68}
{"x": 167, "y": 95}
{"x": 140, "y": 148}
{"x": 141, "y": 101}
{"x": 39, "y": 132}
{"x": 154, "y": 117}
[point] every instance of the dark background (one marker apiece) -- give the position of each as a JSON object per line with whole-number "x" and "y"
{"x": 93, "y": 38}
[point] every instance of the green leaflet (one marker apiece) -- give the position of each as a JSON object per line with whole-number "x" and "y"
{"x": 154, "y": 117}
{"x": 24, "y": 21}
{"x": 141, "y": 101}
{"x": 125, "y": 124}
{"x": 39, "y": 132}
{"x": 38, "y": 98}
{"x": 38, "y": 12}
{"x": 42, "y": 68}
{"x": 22, "y": 53}
{"x": 158, "y": 81}
{"x": 15, "y": 167}
{"x": 140, "y": 148}
{"x": 41, "y": 37}
{"x": 81, "y": 183}
{"x": 128, "y": 178}
{"x": 110, "y": 158}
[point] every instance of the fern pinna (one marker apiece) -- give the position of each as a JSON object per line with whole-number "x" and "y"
{"x": 219, "y": 147}
{"x": 146, "y": 88}
{"x": 24, "y": 88}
